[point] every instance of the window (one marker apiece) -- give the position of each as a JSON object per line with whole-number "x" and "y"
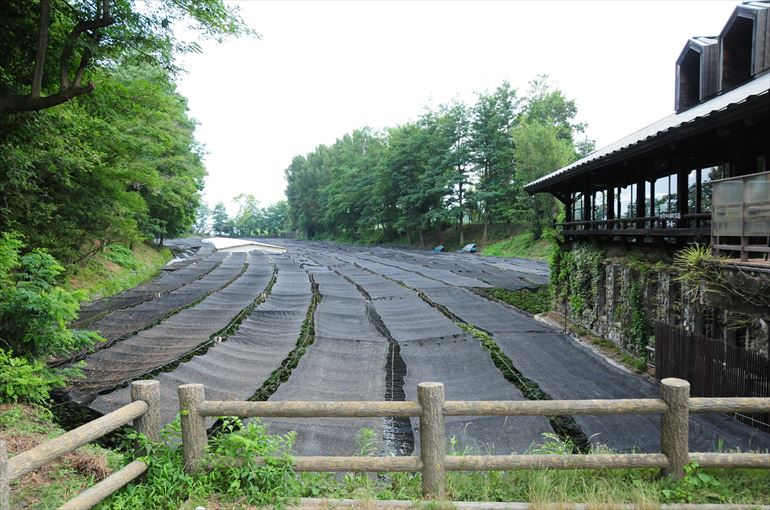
{"x": 599, "y": 206}
{"x": 626, "y": 198}
{"x": 692, "y": 188}
{"x": 665, "y": 195}
{"x": 707, "y": 175}
{"x": 577, "y": 207}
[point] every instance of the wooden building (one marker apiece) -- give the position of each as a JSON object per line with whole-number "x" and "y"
{"x": 656, "y": 185}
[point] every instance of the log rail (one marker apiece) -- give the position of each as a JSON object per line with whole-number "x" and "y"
{"x": 143, "y": 411}
{"x": 674, "y": 406}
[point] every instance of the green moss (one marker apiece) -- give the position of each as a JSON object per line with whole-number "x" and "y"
{"x": 532, "y": 301}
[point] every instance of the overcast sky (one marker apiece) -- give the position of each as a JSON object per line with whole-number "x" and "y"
{"x": 324, "y": 68}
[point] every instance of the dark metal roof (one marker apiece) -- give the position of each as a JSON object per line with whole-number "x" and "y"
{"x": 759, "y": 86}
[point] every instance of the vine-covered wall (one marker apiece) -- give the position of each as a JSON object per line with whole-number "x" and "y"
{"x": 620, "y": 294}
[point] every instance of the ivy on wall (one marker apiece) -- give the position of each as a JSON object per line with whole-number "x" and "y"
{"x": 577, "y": 276}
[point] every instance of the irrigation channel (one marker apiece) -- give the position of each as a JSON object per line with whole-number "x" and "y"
{"x": 332, "y": 322}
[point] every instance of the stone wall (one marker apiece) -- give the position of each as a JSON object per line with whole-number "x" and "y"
{"x": 620, "y": 296}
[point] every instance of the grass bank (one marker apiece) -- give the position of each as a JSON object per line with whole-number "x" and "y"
{"x": 24, "y": 427}
{"x": 521, "y": 245}
{"x": 116, "y": 268}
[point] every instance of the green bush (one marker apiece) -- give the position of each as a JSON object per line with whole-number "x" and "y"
{"x": 22, "y": 380}
{"x": 121, "y": 255}
{"x": 34, "y": 310}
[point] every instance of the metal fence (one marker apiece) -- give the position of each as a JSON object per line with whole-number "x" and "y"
{"x": 713, "y": 368}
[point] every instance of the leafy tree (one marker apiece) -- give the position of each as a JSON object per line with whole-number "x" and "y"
{"x": 202, "y": 216}
{"x": 120, "y": 164}
{"x": 276, "y": 219}
{"x": 248, "y": 221}
{"x": 49, "y": 50}
{"x": 34, "y": 310}
{"x": 219, "y": 219}
{"x": 494, "y": 116}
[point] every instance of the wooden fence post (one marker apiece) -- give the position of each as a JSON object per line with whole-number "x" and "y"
{"x": 432, "y": 439}
{"x": 149, "y": 423}
{"x": 5, "y": 479}
{"x": 674, "y": 425}
{"x": 193, "y": 425}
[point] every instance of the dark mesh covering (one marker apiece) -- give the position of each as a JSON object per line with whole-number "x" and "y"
{"x": 236, "y": 368}
{"x": 435, "y": 349}
{"x": 566, "y": 370}
{"x": 346, "y": 362}
{"x": 166, "y": 282}
{"x": 187, "y": 251}
{"x": 130, "y": 320}
{"x": 175, "y": 336}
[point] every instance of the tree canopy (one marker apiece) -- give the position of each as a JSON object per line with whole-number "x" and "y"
{"x": 457, "y": 163}
{"x": 50, "y": 50}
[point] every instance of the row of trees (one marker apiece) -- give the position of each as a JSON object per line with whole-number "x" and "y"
{"x": 250, "y": 220}
{"x": 457, "y": 163}
{"x": 95, "y": 142}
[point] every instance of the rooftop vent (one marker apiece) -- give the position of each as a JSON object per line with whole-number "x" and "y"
{"x": 696, "y": 72}
{"x": 744, "y": 44}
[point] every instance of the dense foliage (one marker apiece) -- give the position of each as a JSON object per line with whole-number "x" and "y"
{"x": 50, "y": 50}
{"x": 250, "y": 220}
{"x": 119, "y": 164}
{"x": 34, "y": 313}
{"x": 457, "y": 163}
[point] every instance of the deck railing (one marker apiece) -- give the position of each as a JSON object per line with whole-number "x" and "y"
{"x": 742, "y": 215}
{"x": 668, "y": 225}
{"x": 674, "y": 405}
{"x": 144, "y": 411}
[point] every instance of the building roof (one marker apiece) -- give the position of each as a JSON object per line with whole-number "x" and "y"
{"x": 759, "y": 86}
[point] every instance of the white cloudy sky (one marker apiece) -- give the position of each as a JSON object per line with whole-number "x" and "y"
{"x": 324, "y": 68}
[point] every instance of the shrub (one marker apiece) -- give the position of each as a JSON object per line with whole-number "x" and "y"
{"x": 22, "y": 380}
{"x": 34, "y": 310}
{"x": 121, "y": 255}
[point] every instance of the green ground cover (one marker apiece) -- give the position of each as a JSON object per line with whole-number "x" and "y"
{"x": 116, "y": 269}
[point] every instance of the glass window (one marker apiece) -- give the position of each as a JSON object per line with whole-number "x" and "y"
{"x": 707, "y": 175}
{"x": 599, "y": 206}
{"x": 665, "y": 195}
{"x": 626, "y": 201}
{"x": 692, "y": 181}
{"x": 577, "y": 207}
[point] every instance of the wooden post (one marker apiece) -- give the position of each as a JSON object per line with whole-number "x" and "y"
{"x": 432, "y": 439}
{"x": 674, "y": 425}
{"x": 193, "y": 425}
{"x": 149, "y": 423}
{"x": 5, "y": 479}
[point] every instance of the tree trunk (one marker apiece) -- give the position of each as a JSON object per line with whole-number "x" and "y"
{"x": 422, "y": 241}
{"x": 486, "y": 224}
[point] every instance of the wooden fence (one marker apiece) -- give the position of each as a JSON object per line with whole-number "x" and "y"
{"x": 713, "y": 368}
{"x": 675, "y": 405}
{"x": 144, "y": 411}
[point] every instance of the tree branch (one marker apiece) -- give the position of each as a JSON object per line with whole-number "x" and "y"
{"x": 69, "y": 45}
{"x": 42, "y": 46}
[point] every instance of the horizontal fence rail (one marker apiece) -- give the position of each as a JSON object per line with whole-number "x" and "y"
{"x": 674, "y": 407}
{"x": 143, "y": 411}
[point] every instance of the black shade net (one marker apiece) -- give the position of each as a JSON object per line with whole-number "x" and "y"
{"x": 346, "y": 361}
{"x": 237, "y": 367}
{"x": 176, "y": 336}
{"x": 167, "y": 282}
{"x": 130, "y": 320}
